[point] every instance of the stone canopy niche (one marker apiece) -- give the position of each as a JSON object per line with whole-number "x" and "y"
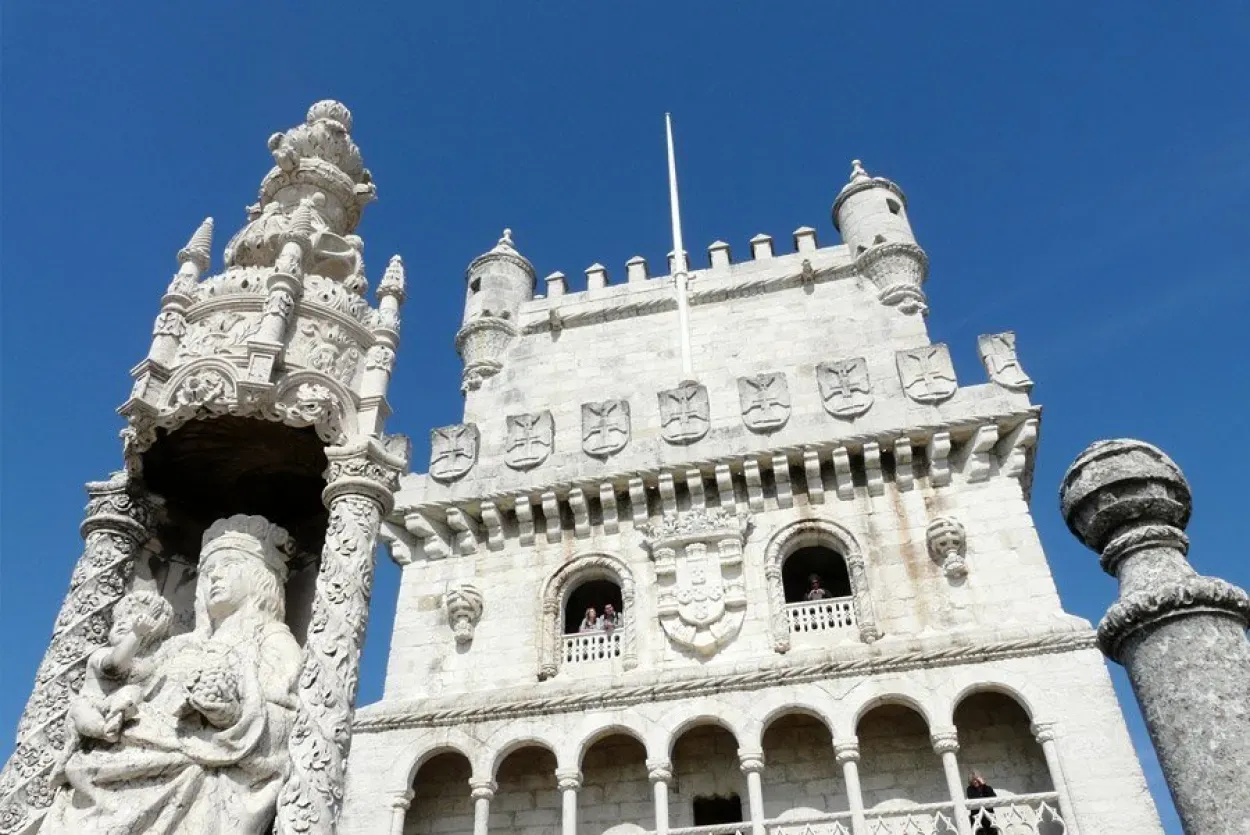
{"x": 206, "y": 658}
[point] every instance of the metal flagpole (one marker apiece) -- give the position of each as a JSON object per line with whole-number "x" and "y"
{"x": 680, "y": 277}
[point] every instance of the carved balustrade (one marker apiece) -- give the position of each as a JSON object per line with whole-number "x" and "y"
{"x": 821, "y": 615}
{"x": 586, "y": 647}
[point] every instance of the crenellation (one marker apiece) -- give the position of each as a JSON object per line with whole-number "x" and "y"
{"x": 762, "y": 247}
{"x": 719, "y": 257}
{"x": 596, "y": 277}
{"x": 805, "y": 239}
{"x": 636, "y": 269}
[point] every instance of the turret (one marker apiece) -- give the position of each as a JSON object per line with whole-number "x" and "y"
{"x": 871, "y": 215}
{"x": 499, "y": 281}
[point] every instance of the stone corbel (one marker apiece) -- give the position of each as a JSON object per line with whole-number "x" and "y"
{"x": 1013, "y": 449}
{"x": 433, "y": 538}
{"x": 464, "y": 610}
{"x": 948, "y": 546}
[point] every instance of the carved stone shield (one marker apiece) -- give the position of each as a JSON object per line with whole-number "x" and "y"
{"x": 998, "y": 352}
{"x": 926, "y": 373}
{"x": 765, "y": 400}
{"x": 453, "y": 451}
{"x": 530, "y": 439}
{"x": 845, "y": 389}
{"x": 605, "y": 427}
{"x": 684, "y": 413}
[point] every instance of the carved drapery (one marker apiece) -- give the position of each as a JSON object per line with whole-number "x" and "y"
{"x": 556, "y": 589}
{"x": 361, "y": 481}
{"x": 115, "y": 529}
{"x": 830, "y": 535}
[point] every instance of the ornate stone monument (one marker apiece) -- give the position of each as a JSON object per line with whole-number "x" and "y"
{"x": 244, "y": 521}
{"x": 1181, "y": 636}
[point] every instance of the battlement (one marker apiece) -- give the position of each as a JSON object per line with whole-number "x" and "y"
{"x": 763, "y": 257}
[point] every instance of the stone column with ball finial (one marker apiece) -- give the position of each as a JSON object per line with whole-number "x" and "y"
{"x": 1181, "y": 636}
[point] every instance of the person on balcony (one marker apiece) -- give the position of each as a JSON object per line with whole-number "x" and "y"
{"x": 591, "y": 622}
{"x": 983, "y": 816}
{"x": 817, "y": 591}
{"x": 611, "y": 618}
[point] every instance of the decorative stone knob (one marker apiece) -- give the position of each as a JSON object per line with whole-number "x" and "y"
{"x": 1114, "y": 486}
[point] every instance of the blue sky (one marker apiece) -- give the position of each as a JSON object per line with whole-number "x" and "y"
{"x": 1077, "y": 172}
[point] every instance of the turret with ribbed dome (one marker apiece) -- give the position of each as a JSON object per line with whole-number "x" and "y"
{"x": 498, "y": 281}
{"x": 871, "y": 214}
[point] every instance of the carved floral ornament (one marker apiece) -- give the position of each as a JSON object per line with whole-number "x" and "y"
{"x": 208, "y": 389}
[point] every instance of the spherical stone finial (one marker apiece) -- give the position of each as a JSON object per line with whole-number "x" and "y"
{"x": 1122, "y": 483}
{"x": 332, "y": 110}
{"x": 857, "y": 171}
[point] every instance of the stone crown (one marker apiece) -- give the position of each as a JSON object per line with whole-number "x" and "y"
{"x": 255, "y": 536}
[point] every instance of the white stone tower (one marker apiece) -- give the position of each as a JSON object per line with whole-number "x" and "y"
{"x": 829, "y": 598}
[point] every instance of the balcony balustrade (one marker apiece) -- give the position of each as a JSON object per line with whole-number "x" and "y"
{"x": 821, "y": 615}
{"x": 585, "y": 647}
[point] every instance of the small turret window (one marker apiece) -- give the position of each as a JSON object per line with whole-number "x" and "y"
{"x": 475, "y": 285}
{"x": 895, "y": 207}
{"x": 880, "y": 239}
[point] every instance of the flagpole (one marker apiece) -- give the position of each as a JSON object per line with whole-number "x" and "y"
{"x": 680, "y": 277}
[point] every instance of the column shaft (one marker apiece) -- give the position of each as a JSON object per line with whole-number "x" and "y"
{"x": 360, "y": 484}
{"x": 660, "y": 772}
{"x": 1046, "y": 736}
{"x": 115, "y": 529}
{"x": 847, "y": 754}
{"x": 483, "y": 793}
{"x": 950, "y": 765}
{"x": 752, "y": 765}
{"x": 568, "y": 819}
{"x": 399, "y": 811}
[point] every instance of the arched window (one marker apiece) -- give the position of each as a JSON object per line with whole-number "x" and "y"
{"x": 836, "y": 602}
{"x": 592, "y": 594}
{"x": 814, "y": 573}
{"x": 584, "y": 582}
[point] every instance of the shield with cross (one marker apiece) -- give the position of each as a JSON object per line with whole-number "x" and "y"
{"x": 530, "y": 439}
{"x": 685, "y": 414}
{"x": 605, "y": 427}
{"x": 926, "y": 373}
{"x": 765, "y": 401}
{"x": 453, "y": 451}
{"x": 845, "y": 388}
{"x": 998, "y": 352}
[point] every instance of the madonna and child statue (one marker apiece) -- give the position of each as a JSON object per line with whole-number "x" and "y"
{"x": 188, "y": 734}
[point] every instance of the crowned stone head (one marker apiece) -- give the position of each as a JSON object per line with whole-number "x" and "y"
{"x": 251, "y": 536}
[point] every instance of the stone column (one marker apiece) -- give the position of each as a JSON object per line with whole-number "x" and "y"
{"x": 569, "y": 782}
{"x": 752, "y": 765}
{"x": 360, "y": 485}
{"x": 400, "y": 801}
{"x": 1044, "y": 733}
{"x": 846, "y": 751}
{"x": 483, "y": 792}
{"x": 116, "y": 528}
{"x": 946, "y": 746}
{"x": 1180, "y": 636}
{"x": 660, "y": 772}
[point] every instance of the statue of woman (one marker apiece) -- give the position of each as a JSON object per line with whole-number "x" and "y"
{"x": 204, "y": 750}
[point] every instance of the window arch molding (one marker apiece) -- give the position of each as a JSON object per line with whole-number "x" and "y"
{"x": 556, "y": 592}
{"x": 805, "y": 533}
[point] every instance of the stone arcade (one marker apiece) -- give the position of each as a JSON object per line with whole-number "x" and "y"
{"x": 829, "y": 602}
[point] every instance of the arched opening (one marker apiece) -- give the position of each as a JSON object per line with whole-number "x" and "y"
{"x": 996, "y": 741}
{"x": 815, "y": 572}
{"x": 898, "y": 766}
{"x": 801, "y": 773}
{"x": 526, "y": 800}
{"x": 708, "y": 786}
{"x": 615, "y": 788}
{"x": 440, "y": 796}
{"x": 207, "y": 470}
{"x": 597, "y": 594}
{"x": 817, "y": 589}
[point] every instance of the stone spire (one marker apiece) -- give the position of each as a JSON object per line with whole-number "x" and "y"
{"x": 199, "y": 250}
{"x": 1181, "y": 636}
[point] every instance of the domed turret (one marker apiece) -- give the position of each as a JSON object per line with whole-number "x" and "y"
{"x": 499, "y": 281}
{"x": 871, "y": 215}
